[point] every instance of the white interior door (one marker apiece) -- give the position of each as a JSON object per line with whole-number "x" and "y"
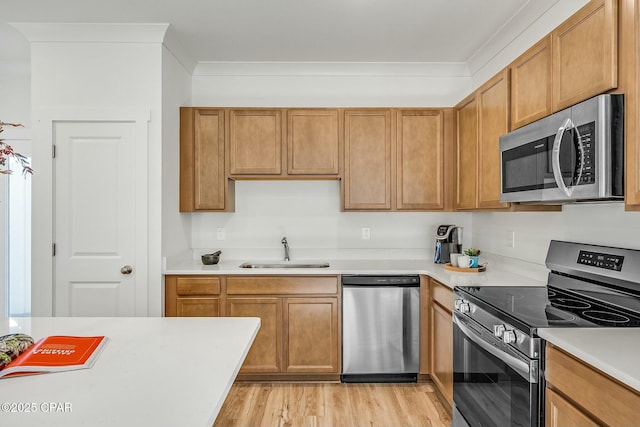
{"x": 95, "y": 218}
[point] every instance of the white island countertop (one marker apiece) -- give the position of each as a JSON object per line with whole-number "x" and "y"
{"x": 491, "y": 277}
{"x": 152, "y": 372}
{"x": 613, "y": 351}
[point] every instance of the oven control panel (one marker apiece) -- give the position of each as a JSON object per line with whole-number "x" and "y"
{"x": 601, "y": 260}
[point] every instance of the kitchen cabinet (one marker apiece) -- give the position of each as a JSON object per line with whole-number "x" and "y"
{"x": 425, "y": 337}
{"x": 585, "y": 54}
{"x": 579, "y": 395}
{"x": 197, "y": 296}
{"x": 367, "y": 159}
{"x": 531, "y": 77}
{"x": 441, "y": 342}
{"x": 300, "y": 333}
{"x": 493, "y": 104}
{"x": 467, "y": 153}
{"x": 265, "y": 355}
{"x": 255, "y": 142}
{"x": 311, "y": 335}
{"x": 420, "y": 160}
{"x": 203, "y": 180}
{"x": 313, "y": 142}
{"x": 482, "y": 118}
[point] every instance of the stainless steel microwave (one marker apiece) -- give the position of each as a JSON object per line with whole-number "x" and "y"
{"x": 576, "y": 154}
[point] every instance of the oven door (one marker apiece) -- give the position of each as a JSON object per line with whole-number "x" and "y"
{"x": 493, "y": 385}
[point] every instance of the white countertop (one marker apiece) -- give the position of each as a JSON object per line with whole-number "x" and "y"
{"x": 153, "y": 372}
{"x": 614, "y": 351}
{"x": 491, "y": 277}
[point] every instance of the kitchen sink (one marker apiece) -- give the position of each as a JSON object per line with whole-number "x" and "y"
{"x": 283, "y": 265}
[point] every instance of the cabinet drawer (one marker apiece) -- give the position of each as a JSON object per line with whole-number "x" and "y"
{"x": 601, "y": 396}
{"x": 442, "y": 294}
{"x": 270, "y": 285}
{"x": 198, "y": 286}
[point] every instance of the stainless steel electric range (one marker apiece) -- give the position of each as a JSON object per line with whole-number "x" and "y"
{"x": 498, "y": 358}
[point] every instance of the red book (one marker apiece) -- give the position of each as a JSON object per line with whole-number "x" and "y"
{"x": 56, "y": 354}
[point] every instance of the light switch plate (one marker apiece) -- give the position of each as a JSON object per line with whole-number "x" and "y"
{"x": 220, "y": 234}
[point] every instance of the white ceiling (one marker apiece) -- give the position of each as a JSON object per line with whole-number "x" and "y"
{"x": 288, "y": 30}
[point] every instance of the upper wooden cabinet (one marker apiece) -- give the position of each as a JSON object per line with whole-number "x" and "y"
{"x": 493, "y": 98}
{"x": 531, "y": 84}
{"x": 467, "y": 153}
{"x": 367, "y": 159}
{"x": 420, "y": 160}
{"x": 255, "y": 142}
{"x": 203, "y": 180}
{"x": 313, "y": 142}
{"x": 585, "y": 53}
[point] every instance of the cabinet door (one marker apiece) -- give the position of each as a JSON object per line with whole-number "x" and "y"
{"x": 419, "y": 160}
{"x": 467, "y": 154}
{"x": 311, "y": 339}
{"x": 266, "y": 352}
{"x": 255, "y": 142}
{"x": 531, "y": 84}
{"x": 585, "y": 54}
{"x": 561, "y": 413}
{"x": 198, "y": 307}
{"x": 442, "y": 350}
{"x": 493, "y": 99}
{"x": 313, "y": 142}
{"x": 203, "y": 183}
{"x": 367, "y": 157}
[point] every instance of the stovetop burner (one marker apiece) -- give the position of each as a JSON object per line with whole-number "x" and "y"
{"x": 569, "y": 303}
{"x": 614, "y": 319}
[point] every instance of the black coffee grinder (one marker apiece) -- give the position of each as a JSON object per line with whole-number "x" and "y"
{"x": 448, "y": 241}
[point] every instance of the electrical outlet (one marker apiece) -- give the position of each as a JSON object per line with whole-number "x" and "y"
{"x": 511, "y": 239}
{"x": 220, "y": 234}
{"x": 366, "y": 233}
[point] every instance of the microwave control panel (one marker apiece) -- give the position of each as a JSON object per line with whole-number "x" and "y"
{"x": 600, "y": 260}
{"x": 587, "y": 133}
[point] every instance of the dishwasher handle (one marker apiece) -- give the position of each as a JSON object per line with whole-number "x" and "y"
{"x": 386, "y": 281}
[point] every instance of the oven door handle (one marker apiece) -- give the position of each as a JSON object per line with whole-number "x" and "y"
{"x": 520, "y": 366}
{"x": 555, "y": 158}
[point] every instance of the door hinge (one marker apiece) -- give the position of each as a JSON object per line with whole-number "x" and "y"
{"x": 53, "y": 249}
{"x": 53, "y": 151}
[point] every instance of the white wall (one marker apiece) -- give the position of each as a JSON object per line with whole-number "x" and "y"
{"x": 15, "y": 87}
{"x": 601, "y": 224}
{"x": 329, "y": 84}
{"x": 88, "y": 75}
{"x": 176, "y": 91}
{"x": 308, "y": 214}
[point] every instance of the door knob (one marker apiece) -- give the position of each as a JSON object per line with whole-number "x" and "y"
{"x": 127, "y": 269}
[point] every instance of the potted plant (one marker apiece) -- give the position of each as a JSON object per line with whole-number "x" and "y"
{"x": 6, "y": 152}
{"x": 473, "y": 254}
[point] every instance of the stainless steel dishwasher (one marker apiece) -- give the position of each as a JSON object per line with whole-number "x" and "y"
{"x": 380, "y": 328}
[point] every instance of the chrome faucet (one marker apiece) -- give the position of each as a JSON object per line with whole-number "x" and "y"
{"x": 286, "y": 248}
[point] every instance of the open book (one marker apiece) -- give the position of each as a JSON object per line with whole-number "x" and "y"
{"x": 20, "y": 356}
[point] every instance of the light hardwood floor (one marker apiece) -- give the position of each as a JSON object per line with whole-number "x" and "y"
{"x": 332, "y": 405}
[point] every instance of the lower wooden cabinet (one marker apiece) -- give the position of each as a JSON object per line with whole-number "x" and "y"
{"x": 311, "y": 340}
{"x": 299, "y": 336}
{"x": 266, "y": 352}
{"x": 578, "y": 394}
{"x": 441, "y": 338}
{"x": 192, "y": 296}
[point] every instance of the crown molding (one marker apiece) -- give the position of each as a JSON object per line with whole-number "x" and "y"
{"x": 390, "y": 69}
{"x": 92, "y": 32}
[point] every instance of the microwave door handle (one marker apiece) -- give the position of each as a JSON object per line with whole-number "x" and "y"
{"x": 521, "y": 367}
{"x": 555, "y": 159}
